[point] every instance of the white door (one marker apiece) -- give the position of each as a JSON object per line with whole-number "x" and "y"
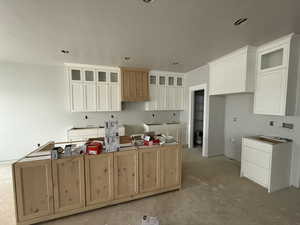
{"x": 114, "y": 97}
{"x": 152, "y": 104}
{"x": 180, "y": 98}
{"x": 77, "y": 97}
{"x": 102, "y": 97}
{"x": 270, "y": 94}
{"x": 171, "y": 98}
{"x": 90, "y": 97}
{"x": 161, "y": 100}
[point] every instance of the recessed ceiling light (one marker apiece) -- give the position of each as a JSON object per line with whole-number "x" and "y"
{"x": 65, "y": 51}
{"x": 240, "y": 21}
{"x": 126, "y": 58}
{"x": 148, "y": 1}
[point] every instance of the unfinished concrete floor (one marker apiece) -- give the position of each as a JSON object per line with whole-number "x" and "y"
{"x": 212, "y": 194}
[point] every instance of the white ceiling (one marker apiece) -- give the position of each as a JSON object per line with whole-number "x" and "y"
{"x": 102, "y": 32}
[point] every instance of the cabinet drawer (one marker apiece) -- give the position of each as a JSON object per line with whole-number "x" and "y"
{"x": 256, "y": 173}
{"x": 257, "y": 157}
{"x": 257, "y": 145}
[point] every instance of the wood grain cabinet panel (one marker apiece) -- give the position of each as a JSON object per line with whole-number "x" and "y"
{"x": 34, "y": 190}
{"x": 135, "y": 87}
{"x": 170, "y": 166}
{"x": 68, "y": 182}
{"x": 99, "y": 178}
{"x": 149, "y": 170}
{"x": 125, "y": 174}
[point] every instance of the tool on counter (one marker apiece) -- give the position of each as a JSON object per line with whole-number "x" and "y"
{"x": 112, "y": 139}
{"x": 57, "y": 152}
{"x": 94, "y": 148}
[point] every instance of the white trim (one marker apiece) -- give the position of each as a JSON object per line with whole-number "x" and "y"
{"x": 95, "y": 67}
{"x": 205, "y": 117}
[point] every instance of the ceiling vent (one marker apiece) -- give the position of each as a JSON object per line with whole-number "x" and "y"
{"x": 240, "y": 21}
{"x": 148, "y": 1}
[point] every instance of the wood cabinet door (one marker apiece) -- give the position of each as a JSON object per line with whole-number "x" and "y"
{"x": 135, "y": 85}
{"x": 125, "y": 174}
{"x": 142, "y": 86}
{"x": 34, "y": 189}
{"x": 170, "y": 166}
{"x": 149, "y": 170}
{"x": 99, "y": 178}
{"x": 68, "y": 183}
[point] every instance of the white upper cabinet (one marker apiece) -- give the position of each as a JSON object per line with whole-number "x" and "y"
{"x": 277, "y": 74}
{"x": 94, "y": 88}
{"x": 233, "y": 73}
{"x": 166, "y": 91}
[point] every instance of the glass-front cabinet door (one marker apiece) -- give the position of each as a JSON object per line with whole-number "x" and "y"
{"x": 76, "y": 74}
{"x": 162, "y": 80}
{"x": 89, "y": 75}
{"x": 179, "y": 81}
{"x": 101, "y": 76}
{"x": 152, "y": 80}
{"x": 275, "y": 58}
{"x": 171, "y": 80}
{"x": 114, "y": 77}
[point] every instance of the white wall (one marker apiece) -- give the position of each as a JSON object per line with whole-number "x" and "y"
{"x": 34, "y": 109}
{"x": 240, "y": 106}
{"x": 215, "y": 113}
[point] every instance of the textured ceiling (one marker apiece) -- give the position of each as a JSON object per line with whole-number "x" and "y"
{"x": 103, "y": 32}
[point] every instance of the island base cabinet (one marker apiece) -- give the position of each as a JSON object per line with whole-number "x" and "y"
{"x": 68, "y": 183}
{"x": 33, "y": 188}
{"x": 125, "y": 174}
{"x": 99, "y": 178}
{"x": 149, "y": 170}
{"x": 171, "y": 166}
{"x": 50, "y": 189}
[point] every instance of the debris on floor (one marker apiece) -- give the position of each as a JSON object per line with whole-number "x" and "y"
{"x": 150, "y": 220}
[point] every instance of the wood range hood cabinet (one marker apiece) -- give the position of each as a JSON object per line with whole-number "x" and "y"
{"x": 135, "y": 86}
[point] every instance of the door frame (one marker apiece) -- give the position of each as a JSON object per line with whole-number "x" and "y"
{"x": 192, "y": 91}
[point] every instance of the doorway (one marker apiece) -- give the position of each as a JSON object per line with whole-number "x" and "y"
{"x": 198, "y": 119}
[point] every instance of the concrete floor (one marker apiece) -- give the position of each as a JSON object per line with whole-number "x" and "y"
{"x": 212, "y": 194}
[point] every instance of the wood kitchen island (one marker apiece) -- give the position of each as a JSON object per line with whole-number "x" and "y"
{"x": 46, "y": 189}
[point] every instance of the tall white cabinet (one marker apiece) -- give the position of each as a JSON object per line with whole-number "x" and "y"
{"x": 94, "y": 88}
{"x": 166, "y": 91}
{"x": 277, "y": 79}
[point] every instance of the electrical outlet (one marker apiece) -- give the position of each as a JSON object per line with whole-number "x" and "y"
{"x": 288, "y": 125}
